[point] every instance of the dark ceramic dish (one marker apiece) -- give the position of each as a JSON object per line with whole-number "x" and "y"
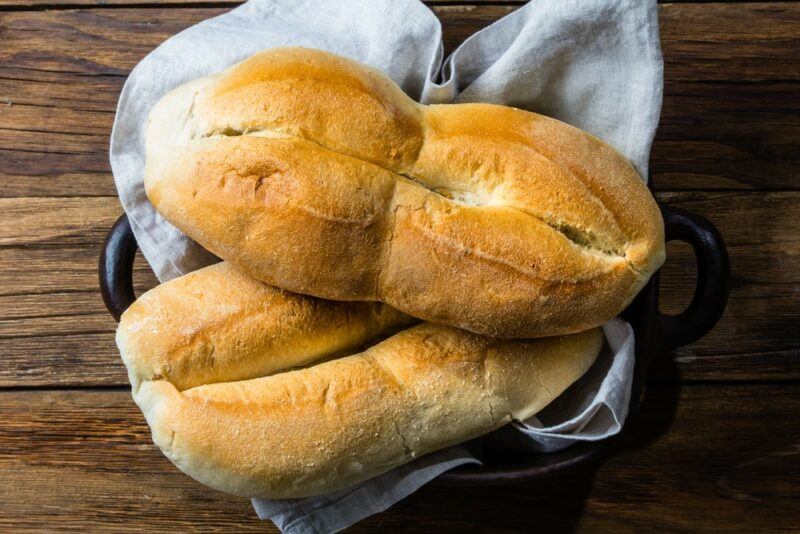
{"x": 654, "y": 331}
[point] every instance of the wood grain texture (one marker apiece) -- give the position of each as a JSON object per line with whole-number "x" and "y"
{"x": 757, "y": 337}
{"x": 731, "y": 119}
{"x": 85, "y": 460}
{"x": 50, "y": 306}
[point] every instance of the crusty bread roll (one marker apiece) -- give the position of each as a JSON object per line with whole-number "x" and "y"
{"x": 317, "y": 429}
{"x": 317, "y": 174}
{"x": 218, "y": 325}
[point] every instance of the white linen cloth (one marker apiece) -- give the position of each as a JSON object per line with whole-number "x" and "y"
{"x": 595, "y": 64}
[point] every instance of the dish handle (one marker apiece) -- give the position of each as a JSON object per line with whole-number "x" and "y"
{"x": 713, "y": 277}
{"x": 116, "y": 267}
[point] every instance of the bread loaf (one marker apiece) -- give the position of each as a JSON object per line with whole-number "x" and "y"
{"x": 306, "y": 431}
{"x": 218, "y": 324}
{"x": 319, "y": 175}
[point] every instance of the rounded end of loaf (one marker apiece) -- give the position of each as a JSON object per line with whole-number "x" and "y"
{"x": 217, "y": 324}
{"x": 182, "y": 435}
{"x": 168, "y": 131}
{"x": 159, "y": 402}
{"x": 561, "y": 361}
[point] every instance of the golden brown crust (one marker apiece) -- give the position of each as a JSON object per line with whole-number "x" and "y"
{"x": 196, "y": 348}
{"x": 323, "y": 428}
{"x": 317, "y": 174}
{"x": 218, "y": 324}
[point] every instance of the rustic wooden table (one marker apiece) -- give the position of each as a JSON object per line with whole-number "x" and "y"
{"x": 717, "y": 442}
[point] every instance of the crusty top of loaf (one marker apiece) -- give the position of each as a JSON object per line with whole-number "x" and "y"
{"x": 318, "y": 174}
{"x": 218, "y": 324}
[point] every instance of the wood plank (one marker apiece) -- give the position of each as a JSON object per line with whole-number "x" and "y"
{"x": 52, "y": 318}
{"x": 47, "y": 271}
{"x": 757, "y": 337}
{"x": 77, "y": 222}
{"x": 84, "y": 460}
{"x": 698, "y": 36}
{"x": 54, "y": 328}
{"x": 50, "y": 306}
{"x": 731, "y": 119}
